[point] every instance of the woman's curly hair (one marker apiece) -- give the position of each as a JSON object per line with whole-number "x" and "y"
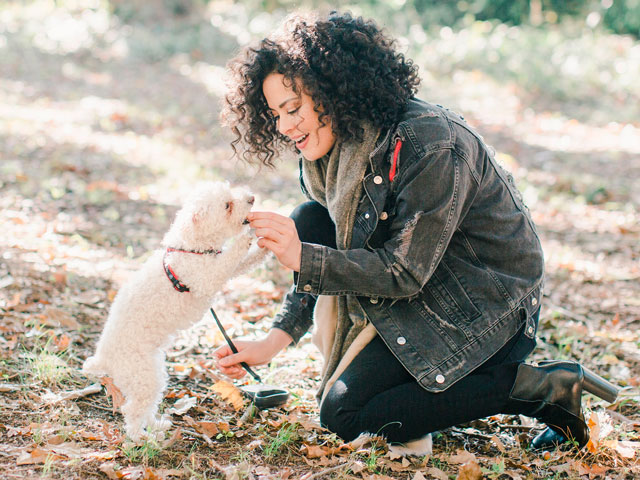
{"x": 346, "y": 64}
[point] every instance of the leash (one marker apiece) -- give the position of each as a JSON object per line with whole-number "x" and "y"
{"x": 233, "y": 347}
{"x": 262, "y": 396}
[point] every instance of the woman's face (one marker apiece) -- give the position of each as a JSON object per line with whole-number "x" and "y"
{"x": 296, "y": 118}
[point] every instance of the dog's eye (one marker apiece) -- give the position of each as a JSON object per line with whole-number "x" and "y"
{"x": 229, "y": 206}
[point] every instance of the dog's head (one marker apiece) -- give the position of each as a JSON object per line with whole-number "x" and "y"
{"x": 213, "y": 213}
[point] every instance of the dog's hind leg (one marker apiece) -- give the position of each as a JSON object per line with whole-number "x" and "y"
{"x": 143, "y": 391}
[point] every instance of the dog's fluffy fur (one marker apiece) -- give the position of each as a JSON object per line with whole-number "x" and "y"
{"x": 148, "y": 311}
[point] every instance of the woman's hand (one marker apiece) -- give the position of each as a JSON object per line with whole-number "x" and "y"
{"x": 278, "y": 234}
{"x": 257, "y": 352}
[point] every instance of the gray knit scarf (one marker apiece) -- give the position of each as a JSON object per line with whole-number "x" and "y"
{"x": 336, "y": 183}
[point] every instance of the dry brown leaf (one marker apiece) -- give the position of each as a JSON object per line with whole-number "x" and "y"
{"x": 109, "y": 470}
{"x": 207, "y": 428}
{"x": 316, "y": 451}
{"x": 437, "y": 473}
{"x": 513, "y": 474}
{"x": 117, "y": 398}
{"x": 593, "y": 471}
{"x": 229, "y": 393}
{"x": 101, "y": 455}
{"x": 625, "y": 448}
{"x": 470, "y": 471}
{"x": 461, "y": 457}
{"x": 89, "y": 297}
{"x": 56, "y": 317}
{"x": 594, "y": 433}
{"x": 36, "y": 456}
{"x": 498, "y": 443}
{"x": 62, "y": 342}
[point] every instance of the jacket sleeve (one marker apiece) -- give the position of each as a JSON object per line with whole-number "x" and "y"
{"x": 433, "y": 194}
{"x": 296, "y": 314}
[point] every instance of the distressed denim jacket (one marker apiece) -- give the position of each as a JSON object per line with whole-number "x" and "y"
{"x": 445, "y": 260}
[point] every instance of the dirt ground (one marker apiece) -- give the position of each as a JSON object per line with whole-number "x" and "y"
{"x": 103, "y": 129}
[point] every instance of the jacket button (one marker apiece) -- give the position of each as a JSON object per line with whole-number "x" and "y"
{"x": 401, "y": 340}
{"x": 534, "y": 301}
{"x": 307, "y": 288}
{"x": 373, "y": 300}
{"x": 530, "y": 329}
{"x": 440, "y": 379}
{"x": 384, "y": 216}
{"x": 377, "y": 179}
{"x": 366, "y": 215}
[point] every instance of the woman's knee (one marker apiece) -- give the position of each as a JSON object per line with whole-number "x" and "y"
{"x": 336, "y": 415}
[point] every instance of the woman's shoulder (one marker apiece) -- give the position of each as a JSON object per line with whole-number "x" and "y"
{"x": 426, "y": 126}
{"x": 430, "y": 127}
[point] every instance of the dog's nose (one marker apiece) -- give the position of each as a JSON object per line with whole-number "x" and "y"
{"x": 252, "y": 199}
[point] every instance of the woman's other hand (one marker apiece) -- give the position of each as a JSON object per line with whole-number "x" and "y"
{"x": 256, "y": 352}
{"x": 278, "y": 234}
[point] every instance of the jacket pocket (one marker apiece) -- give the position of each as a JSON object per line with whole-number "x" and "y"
{"x": 443, "y": 329}
{"x": 446, "y": 295}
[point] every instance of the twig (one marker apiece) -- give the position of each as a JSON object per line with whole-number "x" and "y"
{"x": 471, "y": 434}
{"x": 524, "y": 428}
{"x": 10, "y": 387}
{"x": 193, "y": 433}
{"x": 83, "y": 392}
{"x": 567, "y": 313}
{"x": 325, "y": 471}
{"x": 184, "y": 351}
{"x": 95, "y": 405}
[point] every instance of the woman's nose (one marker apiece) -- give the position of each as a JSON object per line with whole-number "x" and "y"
{"x": 285, "y": 125}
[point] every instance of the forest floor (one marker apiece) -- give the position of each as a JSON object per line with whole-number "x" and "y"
{"x": 104, "y": 127}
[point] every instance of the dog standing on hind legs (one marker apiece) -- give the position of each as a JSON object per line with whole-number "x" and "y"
{"x": 208, "y": 243}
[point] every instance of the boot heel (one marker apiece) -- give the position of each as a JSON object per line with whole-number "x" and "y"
{"x": 597, "y": 385}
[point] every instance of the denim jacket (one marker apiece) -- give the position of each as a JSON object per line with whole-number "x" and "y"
{"x": 445, "y": 260}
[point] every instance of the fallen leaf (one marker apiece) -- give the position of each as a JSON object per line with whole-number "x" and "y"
{"x": 183, "y": 405}
{"x": 101, "y": 455}
{"x": 109, "y": 470}
{"x": 316, "y": 451}
{"x": 89, "y": 297}
{"x": 498, "y": 443}
{"x": 461, "y": 457}
{"x": 36, "y": 456}
{"x": 117, "y": 398}
{"x": 62, "y": 342}
{"x": 55, "y": 317}
{"x": 229, "y": 393}
{"x": 470, "y": 471}
{"x": 437, "y": 473}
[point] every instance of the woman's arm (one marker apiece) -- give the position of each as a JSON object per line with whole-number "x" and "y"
{"x": 256, "y": 352}
{"x": 434, "y": 194}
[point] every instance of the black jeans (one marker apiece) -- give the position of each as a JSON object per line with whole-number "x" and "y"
{"x": 376, "y": 394}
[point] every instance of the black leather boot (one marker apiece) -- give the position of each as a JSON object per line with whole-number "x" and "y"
{"x": 552, "y": 393}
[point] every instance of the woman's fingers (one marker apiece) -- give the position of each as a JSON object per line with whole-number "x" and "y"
{"x": 278, "y": 234}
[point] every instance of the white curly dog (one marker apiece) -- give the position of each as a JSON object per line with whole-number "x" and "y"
{"x": 208, "y": 243}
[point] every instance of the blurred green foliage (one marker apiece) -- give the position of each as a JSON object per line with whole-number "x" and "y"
{"x": 619, "y": 16}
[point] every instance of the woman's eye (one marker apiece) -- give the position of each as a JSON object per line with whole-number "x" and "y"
{"x": 294, "y": 111}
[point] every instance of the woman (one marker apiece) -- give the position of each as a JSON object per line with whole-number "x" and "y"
{"x": 422, "y": 263}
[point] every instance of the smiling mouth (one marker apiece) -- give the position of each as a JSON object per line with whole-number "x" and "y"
{"x": 302, "y": 139}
